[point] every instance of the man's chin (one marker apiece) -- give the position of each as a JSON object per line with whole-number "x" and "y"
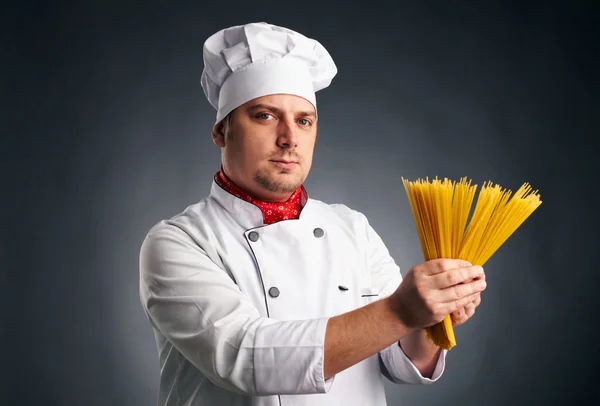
{"x": 280, "y": 183}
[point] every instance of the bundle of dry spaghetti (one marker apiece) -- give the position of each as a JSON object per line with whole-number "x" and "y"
{"x": 441, "y": 211}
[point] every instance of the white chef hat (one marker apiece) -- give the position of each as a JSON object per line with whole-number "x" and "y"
{"x": 248, "y": 61}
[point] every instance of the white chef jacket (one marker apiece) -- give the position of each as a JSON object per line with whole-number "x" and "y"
{"x": 239, "y": 308}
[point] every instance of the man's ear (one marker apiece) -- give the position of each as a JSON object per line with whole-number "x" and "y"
{"x": 218, "y": 134}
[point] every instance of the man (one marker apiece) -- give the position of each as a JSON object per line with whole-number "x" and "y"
{"x": 260, "y": 295}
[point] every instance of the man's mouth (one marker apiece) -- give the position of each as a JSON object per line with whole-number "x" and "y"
{"x": 284, "y": 163}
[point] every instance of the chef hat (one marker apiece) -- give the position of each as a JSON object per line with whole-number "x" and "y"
{"x": 248, "y": 61}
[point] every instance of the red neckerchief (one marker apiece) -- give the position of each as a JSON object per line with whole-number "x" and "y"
{"x": 272, "y": 212}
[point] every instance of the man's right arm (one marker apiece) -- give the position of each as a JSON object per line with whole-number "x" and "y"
{"x": 361, "y": 333}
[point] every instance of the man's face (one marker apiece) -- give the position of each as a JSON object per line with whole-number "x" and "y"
{"x": 267, "y": 145}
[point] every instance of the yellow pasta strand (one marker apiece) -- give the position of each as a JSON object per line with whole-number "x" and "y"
{"x": 441, "y": 212}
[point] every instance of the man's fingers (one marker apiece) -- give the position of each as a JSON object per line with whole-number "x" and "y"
{"x": 481, "y": 277}
{"x": 461, "y": 314}
{"x": 436, "y": 266}
{"x": 462, "y": 291}
{"x": 458, "y": 304}
{"x": 470, "y": 310}
{"x": 457, "y": 276}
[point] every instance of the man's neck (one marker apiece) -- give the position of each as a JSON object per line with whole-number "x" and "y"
{"x": 267, "y": 197}
{"x": 272, "y": 211}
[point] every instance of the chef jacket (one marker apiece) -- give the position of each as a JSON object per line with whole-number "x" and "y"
{"x": 239, "y": 309}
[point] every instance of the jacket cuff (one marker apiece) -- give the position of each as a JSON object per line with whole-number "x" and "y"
{"x": 401, "y": 369}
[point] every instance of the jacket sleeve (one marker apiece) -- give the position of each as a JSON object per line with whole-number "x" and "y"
{"x": 197, "y": 306}
{"x": 385, "y": 278}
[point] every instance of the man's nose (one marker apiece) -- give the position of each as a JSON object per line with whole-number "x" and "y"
{"x": 287, "y": 137}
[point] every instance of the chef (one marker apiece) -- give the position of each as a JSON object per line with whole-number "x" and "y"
{"x": 261, "y": 295}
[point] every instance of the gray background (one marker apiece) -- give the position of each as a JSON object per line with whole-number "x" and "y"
{"x": 106, "y": 131}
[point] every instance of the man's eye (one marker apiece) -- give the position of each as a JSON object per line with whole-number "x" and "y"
{"x": 304, "y": 122}
{"x": 264, "y": 116}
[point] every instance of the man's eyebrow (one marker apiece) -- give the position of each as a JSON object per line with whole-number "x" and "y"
{"x": 279, "y": 111}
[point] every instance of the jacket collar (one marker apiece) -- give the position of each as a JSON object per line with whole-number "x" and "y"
{"x": 245, "y": 213}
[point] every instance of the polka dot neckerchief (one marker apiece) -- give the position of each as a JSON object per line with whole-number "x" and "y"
{"x": 272, "y": 212}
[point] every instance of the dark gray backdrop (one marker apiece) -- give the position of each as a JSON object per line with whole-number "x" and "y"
{"x": 107, "y": 132}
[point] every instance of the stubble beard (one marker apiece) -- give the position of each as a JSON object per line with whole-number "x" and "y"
{"x": 286, "y": 186}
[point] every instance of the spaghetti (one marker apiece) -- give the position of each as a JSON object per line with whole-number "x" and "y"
{"x": 441, "y": 211}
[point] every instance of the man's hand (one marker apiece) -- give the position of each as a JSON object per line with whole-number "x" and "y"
{"x": 436, "y": 288}
{"x": 428, "y": 293}
{"x": 465, "y": 313}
